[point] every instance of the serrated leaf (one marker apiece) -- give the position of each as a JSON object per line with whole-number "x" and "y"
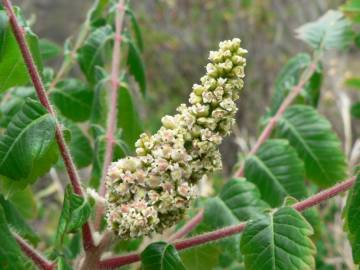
{"x": 289, "y": 76}
{"x": 28, "y": 148}
{"x": 13, "y": 71}
{"x": 352, "y": 218}
{"x": 136, "y": 29}
{"x": 136, "y": 66}
{"x": 128, "y": 118}
{"x": 278, "y": 241}
{"x": 355, "y": 110}
{"x": 17, "y": 222}
{"x": 316, "y": 144}
{"x": 76, "y": 210}
{"x": 80, "y": 146}
{"x": 161, "y": 255}
{"x": 93, "y": 52}
{"x": 10, "y": 254}
{"x": 352, "y": 10}
{"x": 277, "y": 171}
{"x": 330, "y": 31}
{"x": 73, "y": 99}
{"x": 48, "y": 49}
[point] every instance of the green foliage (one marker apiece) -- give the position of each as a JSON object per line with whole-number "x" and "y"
{"x": 10, "y": 254}
{"x": 331, "y": 31}
{"x": 161, "y": 255}
{"x": 278, "y": 241}
{"x": 76, "y": 210}
{"x": 355, "y": 110}
{"x": 13, "y": 71}
{"x": 136, "y": 28}
{"x": 48, "y": 49}
{"x": 353, "y": 83}
{"x": 289, "y": 76}
{"x": 28, "y": 149}
{"x": 352, "y": 9}
{"x": 201, "y": 257}
{"x": 277, "y": 171}
{"x": 73, "y": 99}
{"x": 316, "y": 144}
{"x": 128, "y": 117}
{"x": 136, "y": 65}
{"x": 352, "y": 218}
{"x": 93, "y": 52}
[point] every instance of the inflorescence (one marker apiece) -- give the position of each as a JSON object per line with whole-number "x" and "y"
{"x": 151, "y": 191}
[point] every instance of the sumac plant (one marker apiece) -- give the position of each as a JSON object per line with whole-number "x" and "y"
{"x": 139, "y": 197}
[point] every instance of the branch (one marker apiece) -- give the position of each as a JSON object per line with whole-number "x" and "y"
{"x": 41, "y": 94}
{"x": 284, "y": 105}
{"x": 33, "y": 254}
{"x": 112, "y": 115}
{"x": 324, "y": 195}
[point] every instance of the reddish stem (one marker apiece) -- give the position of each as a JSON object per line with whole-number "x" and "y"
{"x": 188, "y": 227}
{"x": 33, "y": 254}
{"x": 43, "y": 98}
{"x": 265, "y": 134}
{"x": 118, "y": 261}
{"x": 112, "y": 115}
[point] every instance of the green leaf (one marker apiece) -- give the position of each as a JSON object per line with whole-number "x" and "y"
{"x": 289, "y": 76}
{"x": 161, "y": 255}
{"x": 93, "y": 52}
{"x": 352, "y": 10}
{"x": 73, "y": 99}
{"x": 136, "y": 66}
{"x": 353, "y": 83}
{"x": 28, "y": 148}
{"x": 48, "y": 49}
{"x": 239, "y": 200}
{"x": 13, "y": 70}
{"x": 80, "y": 146}
{"x": 11, "y": 257}
{"x": 62, "y": 264}
{"x": 128, "y": 118}
{"x": 277, "y": 171}
{"x": 201, "y": 257}
{"x": 96, "y": 12}
{"x": 331, "y": 31}
{"x": 316, "y": 144}
{"x": 136, "y": 29}
{"x": 355, "y": 110}
{"x": 76, "y": 211}
{"x": 352, "y": 218}
{"x": 278, "y": 241}
{"x": 17, "y": 222}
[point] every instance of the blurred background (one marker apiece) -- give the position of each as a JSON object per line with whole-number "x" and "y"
{"x": 178, "y": 35}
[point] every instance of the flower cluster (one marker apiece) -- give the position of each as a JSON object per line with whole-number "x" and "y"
{"x": 150, "y": 192}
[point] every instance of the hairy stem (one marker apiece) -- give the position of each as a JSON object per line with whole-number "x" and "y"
{"x": 41, "y": 94}
{"x": 33, "y": 254}
{"x": 265, "y": 134}
{"x": 112, "y": 115}
{"x": 118, "y": 261}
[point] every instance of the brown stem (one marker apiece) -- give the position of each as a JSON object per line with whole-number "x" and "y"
{"x": 112, "y": 115}
{"x": 188, "y": 227}
{"x": 118, "y": 261}
{"x": 265, "y": 134}
{"x": 33, "y": 254}
{"x": 41, "y": 93}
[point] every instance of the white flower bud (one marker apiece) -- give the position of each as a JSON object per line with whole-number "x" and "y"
{"x": 168, "y": 122}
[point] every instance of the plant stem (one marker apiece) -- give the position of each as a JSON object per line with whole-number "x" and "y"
{"x": 284, "y": 105}
{"x": 41, "y": 94}
{"x": 112, "y": 115}
{"x": 324, "y": 195}
{"x": 33, "y": 254}
{"x": 188, "y": 227}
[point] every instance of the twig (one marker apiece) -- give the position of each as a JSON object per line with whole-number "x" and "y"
{"x": 118, "y": 261}
{"x": 284, "y": 105}
{"x": 188, "y": 227}
{"x": 112, "y": 115}
{"x": 33, "y": 254}
{"x": 41, "y": 93}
